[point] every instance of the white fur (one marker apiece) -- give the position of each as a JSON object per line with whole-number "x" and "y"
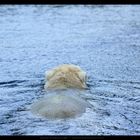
{"x": 65, "y": 76}
{"x": 63, "y": 101}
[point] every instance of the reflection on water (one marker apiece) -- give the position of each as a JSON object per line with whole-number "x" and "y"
{"x": 102, "y": 39}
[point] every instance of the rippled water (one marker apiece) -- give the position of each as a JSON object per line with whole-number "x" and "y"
{"x": 103, "y": 40}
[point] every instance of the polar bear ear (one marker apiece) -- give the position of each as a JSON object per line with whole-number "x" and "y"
{"x": 49, "y": 74}
{"x": 82, "y": 76}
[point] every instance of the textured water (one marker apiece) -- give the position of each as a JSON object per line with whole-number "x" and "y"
{"x": 104, "y": 40}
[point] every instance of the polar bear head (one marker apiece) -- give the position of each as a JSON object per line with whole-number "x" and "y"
{"x": 65, "y": 76}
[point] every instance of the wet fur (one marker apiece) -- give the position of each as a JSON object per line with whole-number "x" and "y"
{"x": 65, "y": 76}
{"x": 63, "y": 99}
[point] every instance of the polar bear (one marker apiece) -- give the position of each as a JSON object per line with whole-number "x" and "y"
{"x": 63, "y": 85}
{"x": 65, "y": 76}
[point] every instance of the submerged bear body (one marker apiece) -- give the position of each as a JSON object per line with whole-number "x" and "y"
{"x": 60, "y": 105}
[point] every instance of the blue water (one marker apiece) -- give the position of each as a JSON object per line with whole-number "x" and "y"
{"x": 104, "y": 40}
